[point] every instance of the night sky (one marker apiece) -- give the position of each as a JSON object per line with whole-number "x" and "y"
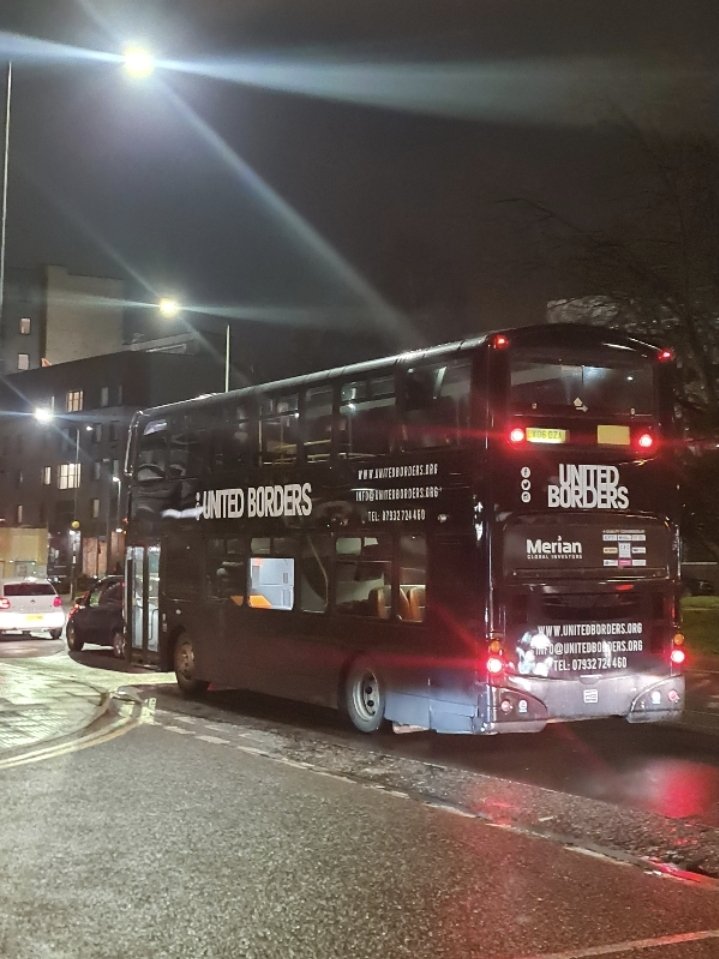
{"x": 426, "y": 119}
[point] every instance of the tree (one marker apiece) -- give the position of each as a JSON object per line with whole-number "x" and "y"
{"x": 654, "y": 269}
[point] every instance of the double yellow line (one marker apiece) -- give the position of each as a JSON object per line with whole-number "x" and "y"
{"x": 83, "y": 740}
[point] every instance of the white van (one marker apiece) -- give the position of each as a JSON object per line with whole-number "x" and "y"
{"x": 29, "y": 605}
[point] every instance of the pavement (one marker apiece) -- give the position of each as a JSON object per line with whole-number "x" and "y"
{"x": 37, "y": 706}
{"x": 57, "y": 697}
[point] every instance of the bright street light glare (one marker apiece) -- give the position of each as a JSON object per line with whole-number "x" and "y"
{"x": 168, "y": 307}
{"x": 138, "y": 62}
{"x": 43, "y": 415}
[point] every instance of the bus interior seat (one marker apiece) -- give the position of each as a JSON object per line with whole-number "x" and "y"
{"x": 380, "y": 602}
{"x": 417, "y": 600}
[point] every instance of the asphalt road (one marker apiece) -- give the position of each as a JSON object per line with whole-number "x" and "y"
{"x": 170, "y": 841}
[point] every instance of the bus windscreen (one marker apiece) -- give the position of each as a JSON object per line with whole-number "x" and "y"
{"x": 541, "y": 383}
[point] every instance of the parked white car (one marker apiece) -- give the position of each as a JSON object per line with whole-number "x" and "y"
{"x": 29, "y": 605}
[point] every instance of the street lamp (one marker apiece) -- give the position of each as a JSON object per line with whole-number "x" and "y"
{"x": 138, "y": 61}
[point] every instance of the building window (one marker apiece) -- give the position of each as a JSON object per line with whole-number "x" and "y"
{"x": 104, "y": 396}
{"x": 18, "y": 514}
{"x": 95, "y": 508}
{"x": 97, "y": 433}
{"x": 18, "y": 479}
{"x": 73, "y": 401}
{"x": 25, "y": 325}
{"x": 97, "y": 470}
{"x": 23, "y": 361}
{"x": 46, "y": 475}
{"x": 68, "y": 476}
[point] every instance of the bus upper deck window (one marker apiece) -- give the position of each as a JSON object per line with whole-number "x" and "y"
{"x": 436, "y": 405}
{"x": 152, "y": 451}
{"x": 578, "y": 383}
{"x": 367, "y": 416}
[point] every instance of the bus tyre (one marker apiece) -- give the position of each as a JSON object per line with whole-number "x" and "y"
{"x": 364, "y": 697}
{"x": 184, "y": 663}
{"x": 74, "y": 643}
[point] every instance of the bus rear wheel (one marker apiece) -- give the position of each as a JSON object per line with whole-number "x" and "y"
{"x": 184, "y": 663}
{"x": 364, "y": 697}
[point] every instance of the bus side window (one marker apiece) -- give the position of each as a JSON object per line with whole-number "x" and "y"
{"x": 412, "y": 578}
{"x": 272, "y": 578}
{"x": 315, "y": 564}
{"x": 226, "y": 570}
{"x": 152, "y": 452}
{"x": 363, "y": 568}
{"x": 234, "y": 438}
{"x": 317, "y": 423}
{"x": 279, "y": 428}
{"x": 367, "y": 419}
{"x": 436, "y": 405}
{"x": 183, "y": 572}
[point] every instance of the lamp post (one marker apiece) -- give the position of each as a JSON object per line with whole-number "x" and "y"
{"x": 3, "y": 191}
{"x": 170, "y": 308}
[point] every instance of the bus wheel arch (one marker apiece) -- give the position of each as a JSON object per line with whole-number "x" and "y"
{"x": 363, "y": 694}
{"x": 183, "y": 664}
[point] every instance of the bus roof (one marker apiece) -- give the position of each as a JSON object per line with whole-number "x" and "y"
{"x": 567, "y": 334}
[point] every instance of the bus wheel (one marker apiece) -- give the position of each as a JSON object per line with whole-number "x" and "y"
{"x": 184, "y": 662}
{"x": 364, "y": 697}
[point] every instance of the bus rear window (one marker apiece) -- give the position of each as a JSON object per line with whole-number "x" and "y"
{"x": 559, "y": 384}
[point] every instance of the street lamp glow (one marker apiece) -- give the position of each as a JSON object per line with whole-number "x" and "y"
{"x": 168, "y": 307}
{"x": 138, "y": 62}
{"x": 43, "y": 415}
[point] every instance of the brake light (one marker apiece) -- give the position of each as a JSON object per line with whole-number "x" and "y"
{"x": 57, "y": 602}
{"x": 666, "y": 355}
{"x": 644, "y": 442}
{"x": 517, "y": 436}
{"x": 678, "y": 656}
{"x": 4, "y": 603}
{"x": 500, "y": 341}
{"x": 495, "y": 665}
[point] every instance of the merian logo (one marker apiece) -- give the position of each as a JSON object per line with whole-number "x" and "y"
{"x": 553, "y": 548}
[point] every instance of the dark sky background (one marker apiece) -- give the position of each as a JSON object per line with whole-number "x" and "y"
{"x": 141, "y": 181}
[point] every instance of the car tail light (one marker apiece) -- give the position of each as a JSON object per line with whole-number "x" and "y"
{"x": 57, "y": 602}
{"x": 500, "y": 341}
{"x": 666, "y": 355}
{"x": 517, "y": 436}
{"x": 4, "y": 603}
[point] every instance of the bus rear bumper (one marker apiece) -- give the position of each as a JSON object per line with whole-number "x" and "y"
{"x": 638, "y": 699}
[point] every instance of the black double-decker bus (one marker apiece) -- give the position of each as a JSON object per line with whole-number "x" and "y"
{"x": 479, "y": 537}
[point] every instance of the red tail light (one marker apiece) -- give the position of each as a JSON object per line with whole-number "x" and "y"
{"x": 57, "y": 602}
{"x": 678, "y": 656}
{"x": 517, "y": 436}
{"x": 4, "y": 603}
{"x": 500, "y": 341}
{"x": 495, "y": 665}
{"x": 665, "y": 356}
{"x": 644, "y": 442}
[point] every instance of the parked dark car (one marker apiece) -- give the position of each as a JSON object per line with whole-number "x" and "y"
{"x": 96, "y": 617}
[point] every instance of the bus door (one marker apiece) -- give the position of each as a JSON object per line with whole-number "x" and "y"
{"x": 142, "y": 597}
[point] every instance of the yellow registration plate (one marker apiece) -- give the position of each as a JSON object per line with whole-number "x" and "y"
{"x": 33, "y": 617}
{"x": 542, "y": 434}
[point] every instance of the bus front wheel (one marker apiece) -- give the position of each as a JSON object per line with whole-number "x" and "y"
{"x": 364, "y": 697}
{"x": 184, "y": 663}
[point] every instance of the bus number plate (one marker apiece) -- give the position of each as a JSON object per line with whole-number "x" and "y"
{"x": 541, "y": 434}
